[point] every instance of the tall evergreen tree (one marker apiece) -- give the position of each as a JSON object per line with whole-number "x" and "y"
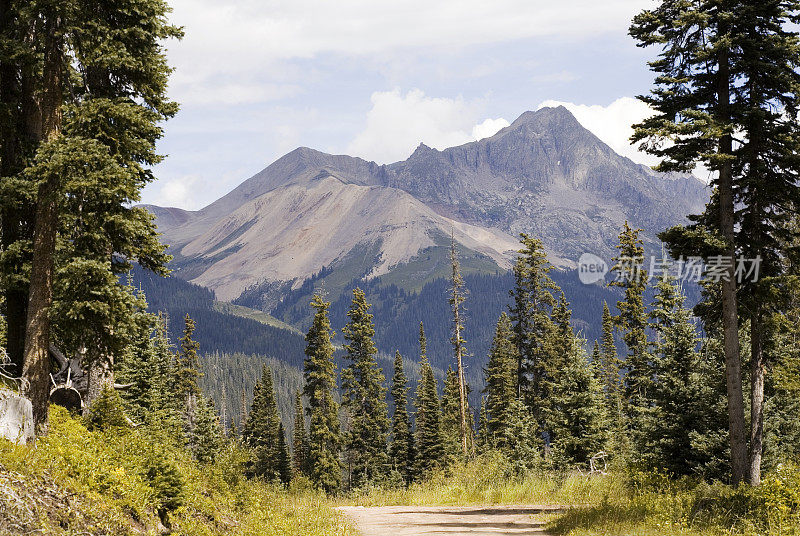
{"x": 429, "y": 441}
{"x": 187, "y": 374}
{"x": 402, "y": 450}
{"x": 324, "y": 438}
{"x": 364, "y": 397}
{"x": 299, "y": 438}
{"x": 682, "y": 426}
{"x": 530, "y": 314}
{"x": 610, "y": 368}
{"x": 725, "y": 70}
{"x": 207, "y": 436}
{"x": 574, "y": 416}
{"x": 457, "y": 297}
{"x": 188, "y": 362}
{"x": 500, "y": 383}
{"x": 261, "y": 431}
{"x": 78, "y": 137}
{"x": 523, "y": 442}
{"x": 631, "y": 276}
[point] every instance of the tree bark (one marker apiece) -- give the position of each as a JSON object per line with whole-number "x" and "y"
{"x": 757, "y": 376}
{"x": 100, "y": 374}
{"x": 730, "y": 321}
{"x": 36, "y": 368}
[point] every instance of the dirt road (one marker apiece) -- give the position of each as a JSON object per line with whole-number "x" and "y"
{"x": 467, "y": 520}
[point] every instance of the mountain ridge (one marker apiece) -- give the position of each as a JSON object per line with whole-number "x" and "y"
{"x": 545, "y": 174}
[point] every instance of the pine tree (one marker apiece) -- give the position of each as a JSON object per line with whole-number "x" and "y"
{"x": 610, "y": 364}
{"x": 188, "y": 362}
{"x": 364, "y": 397}
{"x": 558, "y": 346}
{"x": 402, "y": 449}
{"x": 161, "y": 409}
{"x": 681, "y": 417}
{"x": 729, "y": 69}
{"x": 260, "y": 433}
{"x": 610, "y": 368}
{"x": 500, "y": 382}
{"x": 580, "y": 428}
{"x": 530, "y": 316}
{"x": 523, "y": 442}
{"x": 207, "y": 436}
{"x": 284, "y": 461}
{"x": 429, "y": 440}
{"x": 92, "y": 125}
{"x": 632, "y": 321}
{"x": 299, "y": 438}
{"x": 320, "y": 383}
{"x": 574, "y": 417}
{"x": 187, "y": 374}
{"x": 138, "y": 368}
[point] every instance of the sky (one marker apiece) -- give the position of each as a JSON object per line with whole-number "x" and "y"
{"x": 375, "y": 78}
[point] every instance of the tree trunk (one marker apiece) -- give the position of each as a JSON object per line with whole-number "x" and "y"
{"x": 462, "y": 392}
{"x": 100, "y": 373}
{"x": 36, "y": 368}
{"x": 458, "y": 344}
{"x": 757, "y": 374}
{"x": 730, "y": 321}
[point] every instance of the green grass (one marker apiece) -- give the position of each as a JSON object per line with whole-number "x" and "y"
{"x": 80, "y": 482}
{"x": 433, "y": 263}
{"x": 254, "y": 314}
{"x": 487, "y": 480}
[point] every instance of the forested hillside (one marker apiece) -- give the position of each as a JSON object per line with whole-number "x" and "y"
{"x": 217, "y": 331}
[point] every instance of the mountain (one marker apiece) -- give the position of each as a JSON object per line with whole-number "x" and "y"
{"x": 291, "y": 231}
{"x": 310, "y": 211}
{"x": 548, "y": 176}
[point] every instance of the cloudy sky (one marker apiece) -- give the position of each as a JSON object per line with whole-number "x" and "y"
{"x": 374, "y": 78}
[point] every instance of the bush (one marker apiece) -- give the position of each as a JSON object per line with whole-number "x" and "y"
{"x": 166, "y": 481}
{"x": 106, "y": 412}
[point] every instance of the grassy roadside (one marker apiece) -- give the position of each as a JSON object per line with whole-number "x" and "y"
{"x": 618, "y": 504}
{"x": 80, "y": 482}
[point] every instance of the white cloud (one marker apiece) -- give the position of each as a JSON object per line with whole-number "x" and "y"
{"x": 612, "y": 124}
{"x": 179, "y": 192}
{"x": 252, "y": 39}
{"x": 398, "y": 122}
{"x": 488, "y": 128}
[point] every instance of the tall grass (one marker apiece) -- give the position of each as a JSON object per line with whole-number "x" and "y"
{"x": 489, "y": 479}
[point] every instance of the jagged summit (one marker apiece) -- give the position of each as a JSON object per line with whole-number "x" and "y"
{"x": 545, "y": 114}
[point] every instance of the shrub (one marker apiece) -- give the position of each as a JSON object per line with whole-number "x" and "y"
{"x": 106, "y": 412}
